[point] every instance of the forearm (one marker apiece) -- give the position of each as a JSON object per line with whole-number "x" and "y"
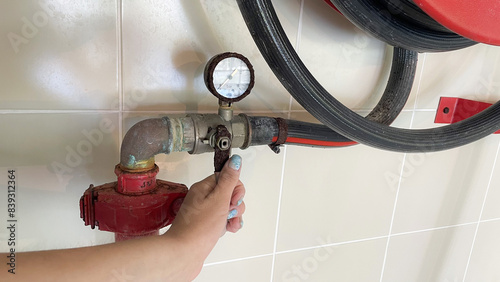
{"x": 177, "y": 255}
{"x": 156, "y": 258}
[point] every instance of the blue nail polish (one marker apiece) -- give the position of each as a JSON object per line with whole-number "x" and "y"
{"x": 241, "y": 223}
{"x": 235, "y": 162}
{"x": 232, "y": 214}
{"x": 239, "y": 202}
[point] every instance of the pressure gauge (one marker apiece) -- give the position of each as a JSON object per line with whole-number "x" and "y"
{"x": 229, "y": 76}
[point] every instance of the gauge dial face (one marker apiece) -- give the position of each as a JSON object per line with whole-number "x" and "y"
{"x": 229, "y": 76}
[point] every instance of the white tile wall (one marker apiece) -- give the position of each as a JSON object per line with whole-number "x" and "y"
{"x": 347, "y": 214}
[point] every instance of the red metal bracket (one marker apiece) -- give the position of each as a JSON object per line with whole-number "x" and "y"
{"x": 451, "y": 110}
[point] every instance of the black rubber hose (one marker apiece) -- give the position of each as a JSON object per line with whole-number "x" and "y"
{"x": 407, "y": 11}
{"x": 397, "y": 91}
{"x": 375, "y": 17}
{"x": 265, "y": 131}
{"x": 316, "y": 135}
{"x": 280, "y": 55}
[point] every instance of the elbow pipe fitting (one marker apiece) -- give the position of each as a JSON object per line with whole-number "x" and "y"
{"x": 143, "y": 141}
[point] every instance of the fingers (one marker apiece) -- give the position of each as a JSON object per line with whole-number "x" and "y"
{"x": 198, "y": 193}
{"x": 235, "y": 224}
{"x": 236, "y": 221}
{"x": 229, "y": 177}
{"x": 205, "y": 186}
{"x": 238, "y": 194}
{"x": 222, "y": 196}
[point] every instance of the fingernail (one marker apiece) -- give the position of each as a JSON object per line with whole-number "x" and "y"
{"x": 232, "y": 214}
{"x": 235, "y": 162}
{"x": 239, "y": 202}
{"x": 241, "y": 223}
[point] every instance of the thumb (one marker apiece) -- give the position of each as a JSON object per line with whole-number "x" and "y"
{"x": 229, "y": 177}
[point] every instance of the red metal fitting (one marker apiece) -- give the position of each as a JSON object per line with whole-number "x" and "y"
{"x": 133, "y": 183}
{"x": 451, "y": 110}
{"x": 136, "y": 205}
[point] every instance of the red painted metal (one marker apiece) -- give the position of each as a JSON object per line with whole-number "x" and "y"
{"x": 136, "y": 205}
{"x": 478, "y": 20}
{"x": 135, "y": 183}
{"x": 451, "y": 110}
{"x": 333, "y": 6}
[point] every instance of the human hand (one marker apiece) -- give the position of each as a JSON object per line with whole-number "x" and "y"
{"x": 178, "y": 255}
{"x": 210, "y": 209}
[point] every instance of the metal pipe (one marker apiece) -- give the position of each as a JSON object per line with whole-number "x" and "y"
{"x": 142, "y": 142}
{"x": 150, "y": 137}
{"x": 193, "y": 134}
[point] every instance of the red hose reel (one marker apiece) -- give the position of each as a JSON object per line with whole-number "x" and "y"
{"x": 476, "y": 20}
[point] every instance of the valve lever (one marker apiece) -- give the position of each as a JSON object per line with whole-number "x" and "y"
{"x": 222, "y": 148}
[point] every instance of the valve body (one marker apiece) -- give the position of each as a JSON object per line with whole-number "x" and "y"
{"x": 136, "y": 205}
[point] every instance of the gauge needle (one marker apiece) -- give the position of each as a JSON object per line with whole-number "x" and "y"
{"x": 228, "y": 78}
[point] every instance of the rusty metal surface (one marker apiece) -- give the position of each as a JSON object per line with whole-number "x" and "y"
{"x": 222, "y": 147}
{"x": 209, "y": 70}
{"x": 143, "y": 141}
{"x": 282, "y": 135}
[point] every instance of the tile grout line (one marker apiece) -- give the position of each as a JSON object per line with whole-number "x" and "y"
{"x": 490, "y": 220}
{"x": 481, "y": 212}
{"x": 350, "y": 242}
{"x": 235, "y": 260}
{"x": 392, "y": 217}
{"x": 173, "y": 112}
{"x": 332, "y": 244}
{"x": 137, "y": 112}
{"x": 275, "y": 245}
{"x": 401, "y": 176}
{"x": 490, "y": 85}
{"x": 432, "y": 229}
{"x": 418, "y": 91}
{"x": 119, "y": 41}
{"x": 57, "y": 111}
{"x": 382, "y": 237}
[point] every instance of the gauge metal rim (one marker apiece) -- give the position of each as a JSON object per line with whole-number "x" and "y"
{"x": 208, "y": 75}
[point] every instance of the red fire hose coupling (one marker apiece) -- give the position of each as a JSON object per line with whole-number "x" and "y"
{"x": 136, "y": 205}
